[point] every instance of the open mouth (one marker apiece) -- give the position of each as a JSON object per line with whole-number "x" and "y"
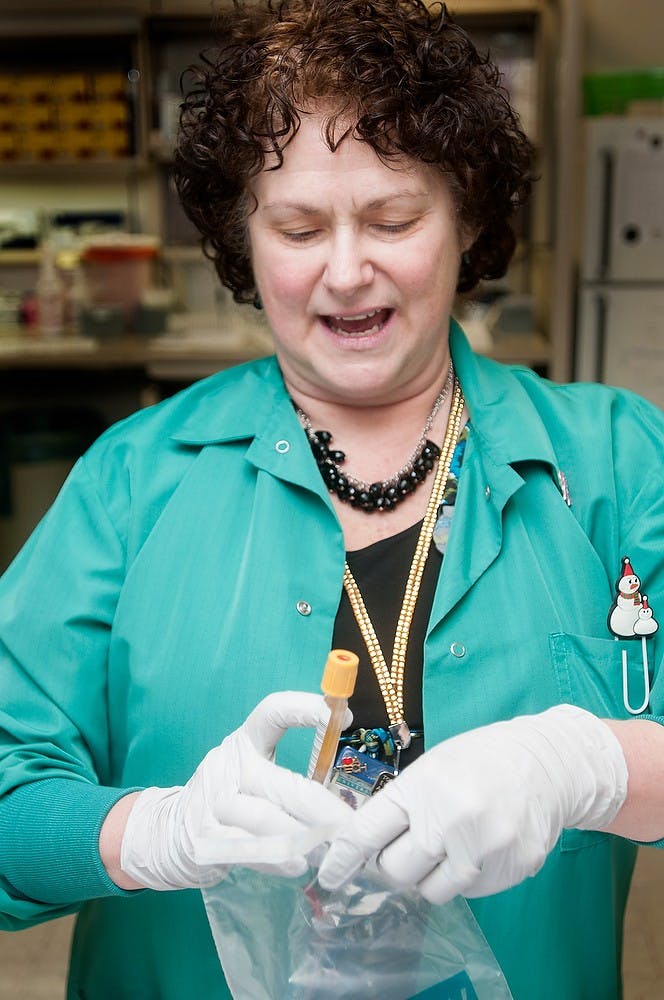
{"x": 360, "y": 325}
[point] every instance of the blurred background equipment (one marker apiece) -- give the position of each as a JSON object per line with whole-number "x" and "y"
{"x": 620, "y": 338}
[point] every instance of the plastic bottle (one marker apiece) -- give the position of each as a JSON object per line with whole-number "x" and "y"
{"x": 77, "y": 298}
{"x": 337, "y": 685}
{"x": 50, "y": 295}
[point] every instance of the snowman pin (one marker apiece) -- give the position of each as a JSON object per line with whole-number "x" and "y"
{"x": 645, "y": 624}
{"x": 631, "y": 617}
{"x": 624, "y": 611}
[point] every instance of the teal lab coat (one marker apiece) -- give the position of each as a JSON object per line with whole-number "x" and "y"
{"x": 157, "y": 603}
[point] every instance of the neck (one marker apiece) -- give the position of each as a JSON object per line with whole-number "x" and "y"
{"x": 356, "y": 419}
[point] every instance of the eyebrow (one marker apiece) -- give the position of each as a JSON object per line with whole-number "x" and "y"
{"x": 304, "y": 209}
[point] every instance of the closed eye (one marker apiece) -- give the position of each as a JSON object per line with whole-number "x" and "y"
{"x": 394, "y": 228}
{"x": 300, "y": 236}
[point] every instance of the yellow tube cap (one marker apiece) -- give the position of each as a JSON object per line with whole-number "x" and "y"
{"x": 340, "y": 674}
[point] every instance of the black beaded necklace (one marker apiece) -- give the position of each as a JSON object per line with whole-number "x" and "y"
{"x": 386, "y": 494}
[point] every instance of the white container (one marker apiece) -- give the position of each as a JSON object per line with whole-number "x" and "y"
{"x": 50, "y": 291}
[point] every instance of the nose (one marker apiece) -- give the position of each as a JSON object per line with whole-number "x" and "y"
{"x": 347, "y": 268}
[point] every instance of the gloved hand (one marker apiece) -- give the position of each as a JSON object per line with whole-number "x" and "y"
{"x": 237, "y": 808}
{"x": 479, "y": 812}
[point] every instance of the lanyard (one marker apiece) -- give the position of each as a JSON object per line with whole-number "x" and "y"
{"x": 390, "y": 679}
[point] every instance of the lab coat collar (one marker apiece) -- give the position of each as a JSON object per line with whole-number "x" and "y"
{"x": 502, "y": 414}
{"x": 251, "y": 403}
{"x": 234, "y": 405}
{"x": 506, "y": 430}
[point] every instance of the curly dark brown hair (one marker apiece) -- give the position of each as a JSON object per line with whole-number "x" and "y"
{"x": 405, "y": 73}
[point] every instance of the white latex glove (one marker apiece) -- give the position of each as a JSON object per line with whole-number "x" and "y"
{"x": 237, "y": 808}
{"x": 478, "y": 813}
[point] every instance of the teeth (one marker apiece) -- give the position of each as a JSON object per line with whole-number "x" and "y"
{"x": 368, "y": 315}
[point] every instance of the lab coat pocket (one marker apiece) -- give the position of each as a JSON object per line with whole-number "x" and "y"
{"x": 589, "y": 674}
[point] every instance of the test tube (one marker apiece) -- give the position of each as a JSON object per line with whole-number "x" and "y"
{"x": 337, "y": 685}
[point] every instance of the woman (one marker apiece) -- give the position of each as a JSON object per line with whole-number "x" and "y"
{"x": 350, "y": 167}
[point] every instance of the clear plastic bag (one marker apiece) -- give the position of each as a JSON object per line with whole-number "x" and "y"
{"x": 286, "y": 939}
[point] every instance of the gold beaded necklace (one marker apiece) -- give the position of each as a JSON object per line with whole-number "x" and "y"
{"x": 391, "y": 679}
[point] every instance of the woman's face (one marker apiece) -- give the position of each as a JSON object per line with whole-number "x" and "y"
{"x": 356, "y": 264}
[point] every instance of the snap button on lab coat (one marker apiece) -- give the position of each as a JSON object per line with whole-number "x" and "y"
{"x": 458, "y": 649}
{"x": 487, "y": 492}
{"x": 304, "y": 608}
{"x": 282, "y": 446}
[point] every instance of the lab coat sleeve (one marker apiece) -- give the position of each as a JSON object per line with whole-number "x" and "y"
{"x": 57, "y": 604}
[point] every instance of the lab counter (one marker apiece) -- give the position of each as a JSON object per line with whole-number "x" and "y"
{"x": 161, "y": 357}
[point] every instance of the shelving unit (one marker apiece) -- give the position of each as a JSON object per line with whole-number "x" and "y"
{"x": 161, "y": 37}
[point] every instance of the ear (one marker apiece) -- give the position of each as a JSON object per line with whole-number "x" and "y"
{"x": 467, "y": 237}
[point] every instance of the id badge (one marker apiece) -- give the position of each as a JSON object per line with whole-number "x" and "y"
{"x": 356, "y": 776}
